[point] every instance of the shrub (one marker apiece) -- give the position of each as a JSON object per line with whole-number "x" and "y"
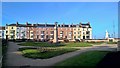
{"x": 66, "y": 40}
{"x": 77, "y": 40}
{"x": 50, "y": 41}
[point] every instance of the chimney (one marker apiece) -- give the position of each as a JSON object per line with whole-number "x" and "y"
{"x": 26, "y": 23}
{"x": 56, "y": 24}
{"x": 69, "y": 25}
{"x": 63, "y": 24}
{"x": 45, "y": 24}
{"x": 17, "y": 23}
{"x": 72, "y": 24}
{"x": 36, "y": 24}
{"x": 80, "y": 23}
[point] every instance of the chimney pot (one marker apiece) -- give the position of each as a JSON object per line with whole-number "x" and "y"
{"x": 26, "y": 23}
{"x": 17, "y": 23}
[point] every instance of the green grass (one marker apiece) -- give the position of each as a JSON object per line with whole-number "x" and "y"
{"x": 45, "y": 44}
{"x": 91, "y": 58}
{"x": 95, "y": 43}
{"x": 41, "y": 44}
{"x": 77, "y": 44}
{"x": 47, "y": 53}
{"x": 111, "y": 42}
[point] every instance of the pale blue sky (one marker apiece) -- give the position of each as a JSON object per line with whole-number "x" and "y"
{"x": 101, "y": 15}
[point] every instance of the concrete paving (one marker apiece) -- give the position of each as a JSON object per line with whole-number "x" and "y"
{"x": 14, "y": 57}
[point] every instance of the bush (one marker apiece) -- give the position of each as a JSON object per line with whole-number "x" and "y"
{"x": 66, "y": 40}
{"x": 77, "y": 40}
{"x": 50, "y": 41}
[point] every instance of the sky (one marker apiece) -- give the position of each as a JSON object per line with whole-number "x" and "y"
{"x": 101, "y": 15}
{"x": 60, "y": 0}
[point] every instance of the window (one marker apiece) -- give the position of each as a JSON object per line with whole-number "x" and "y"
{"x": 74, "y": 29}
{"x": 37, "y": 36}
{"x": 78, "y": 32}
{"x": 78, "y": 29}
{"x": 11, "y": 27}
{"x": 42, "y": 36}
{"x": 61, "y": 32}
{"x": 6, "y": 27}
{"x": 0, "y": 32}
{"x": 47, "y": 36}
{"x": 87, "y": 32}
{"x": 83, "y": 32}
{"x": 74, "y": 32}
{"x": 52, "y": 32}
{"x": 6, "y": 31}
{"x": 70, "y": 32}
{"x": 42, "y": 32}
{"x": 52, "y": 36}
{"x": 12, "y": 37}
{"x": 31, "y": 32}
{"x": 83, "y": 37}
{"x": 46, "y": 32}
{"x": 74, "y": 37}
{"x": 87, "y": 37}
{"x": 78, "y": 36}
{"x": 12, "y": 31}
{"x": 32, "y": 36}
{"x": 87, "y": 29}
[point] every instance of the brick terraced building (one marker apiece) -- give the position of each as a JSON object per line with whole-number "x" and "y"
{"x": 40, "y": 32}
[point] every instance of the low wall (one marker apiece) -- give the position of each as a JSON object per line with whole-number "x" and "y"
{"x": 118, "y": 46}
{"x": 97, "y": 40}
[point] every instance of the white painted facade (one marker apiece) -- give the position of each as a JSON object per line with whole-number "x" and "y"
{"x": 21, "y": 33}
{"x": 2, "y": 34}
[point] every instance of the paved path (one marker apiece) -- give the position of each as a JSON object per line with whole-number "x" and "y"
{"x": 14, "y": 57}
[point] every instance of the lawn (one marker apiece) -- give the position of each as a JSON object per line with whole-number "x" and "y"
{"x": 95, "y": 43}
{"x": 46, "y": 44}
{"x": 40, "y": 44}
{"x": 111, "y": 42}
{"x": 45, "y": 53}
{"x": 91, "y": 58}
{"x": 77, "y": 44}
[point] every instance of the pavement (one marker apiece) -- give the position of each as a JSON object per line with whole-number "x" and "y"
{"x": 14, "y": 57}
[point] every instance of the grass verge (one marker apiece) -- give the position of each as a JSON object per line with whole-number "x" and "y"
{"x": 46, "y": 44}
{"x": 91, "y": 58}
{"x": 45, "y": 53}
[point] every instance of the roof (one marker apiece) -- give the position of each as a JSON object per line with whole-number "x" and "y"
{"x": 44, "y": 25}
{"x": 51, "y": 25}
{"x": 79, "y": 25}
{"x": 11, "y": 25}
